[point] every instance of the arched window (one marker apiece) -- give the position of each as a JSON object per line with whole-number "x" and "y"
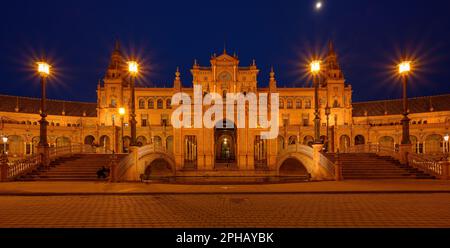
{"x": 281, "y": 104}
{"x": 289, "y": 104}
{"x": 308, "y": 104}
{"x": 141, "y": 104}
{"x": 160, "y": 104}
{"x": 113, "y": 103}
{"x": 298, "y": 104}
{"x": 169, "y": 103}
{"x": 151, "y": 104}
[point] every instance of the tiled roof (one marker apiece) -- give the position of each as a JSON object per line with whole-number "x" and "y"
{"x": 395, "y": 107}
{"x": 54, "y": 107}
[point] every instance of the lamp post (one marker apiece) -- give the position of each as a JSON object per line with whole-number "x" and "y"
{"x": 315, "y": 70}
{"x": 133, "y": 69}
{"x": 327, "y": 113}
{"x": 114, "y": 133}
{"x": 44, "y": 72}
{"x": 122, "y": 114}
{"x": 404, "y": 69}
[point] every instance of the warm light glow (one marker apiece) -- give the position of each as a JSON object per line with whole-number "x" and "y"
{"x": 122, "y": 111}
{"x": 446, "y": 138}
{"x": 315, "y": 67}
{"x": 319, "y": 5}
{"x": 404, "y": 67}
{"x": 5, "y": 139}
{"x": 133, "y": 67}
{"x": 43, "y": 68}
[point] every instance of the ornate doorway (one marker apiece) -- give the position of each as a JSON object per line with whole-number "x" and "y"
{"x": 225, "y": 145}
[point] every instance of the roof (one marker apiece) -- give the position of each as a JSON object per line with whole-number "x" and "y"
{"x": 395, "y": 107}
{"x": 54, "y": 107}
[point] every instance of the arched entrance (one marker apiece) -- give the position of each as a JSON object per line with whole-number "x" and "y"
{"x": 293, "y": 167}
{"x": 308, "y": 141}
{"x": 434, "y": 144}
{"x": 105, "y": 142}
{"x": 360, "y": 140}
{"x": 158, "y": 168}
{"x": 89, "y": 140}
{"x": 62, "y": 142}
{"x": 387, "y": 141}
{"x": 225, "y": 137}
{"x": 157, "y": 141}
{"x": 344, "y": 143}
{"x": 141, "y": 141}
{"x": 126, "y": 143}
{"x": 15, "y": 146}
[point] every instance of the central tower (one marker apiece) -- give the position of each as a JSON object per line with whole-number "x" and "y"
{"x": 225, "y": 76}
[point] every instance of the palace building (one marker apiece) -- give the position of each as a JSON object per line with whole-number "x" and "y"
{"x": 343, "y": 123}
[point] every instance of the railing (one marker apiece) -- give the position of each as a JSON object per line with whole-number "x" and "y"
{"x": 23, "y": 166}
{"x": 131, "y": 160}
{"x": 436, "y": 168}
{"x": 308, "y": 151}
{"x": 124, "y": 165}
{"x": 374, "y": 148}
{"x": 305, "y": 150}
{"x": 26, "y": 165}
{"x": 327, "y": 164}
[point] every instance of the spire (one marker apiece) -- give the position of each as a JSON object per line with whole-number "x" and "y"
{"x": 117, "y": 45}
{"x": 224, "y": 48}
{"x": 177, "y": 81}
{"x": 331, "y": 47}
{"x": 272, "y": 81}
{"x": 332, "y": 63}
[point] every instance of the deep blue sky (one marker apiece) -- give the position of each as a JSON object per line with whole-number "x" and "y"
{"x": 79, "y": 35}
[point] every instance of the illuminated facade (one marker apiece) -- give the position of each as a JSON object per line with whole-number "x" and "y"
{"x": 225, "y": 148}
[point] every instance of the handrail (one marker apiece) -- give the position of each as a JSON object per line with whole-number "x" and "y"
{"x": 26, "y": 165}
{"x": 374, "y": 148}
{"x": 132, "y": 158}
{"x": 428, "y": 165}
{"x": 23, "y": 166}
{"x": 327, "y": 164}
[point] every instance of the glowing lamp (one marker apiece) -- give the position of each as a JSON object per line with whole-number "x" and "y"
{"x": 404, "y": 67}
{"x": 122, "y": 111}
{"x": 5, "y": 139}
{"x": 446, "y": 138}
{"x": 315, "y": 67}
{"x": 133, "y": 67}
{"x": 43, "y": 69}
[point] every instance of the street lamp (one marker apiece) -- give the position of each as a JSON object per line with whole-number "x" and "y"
{"x": 328, "y": 113}
{"x": 122, "y": 114}
{"x": 133, "y": 69}
{"x": 404, "y": 69}
{"x": 315, "y": 70}
{"x": 44, "y": 71}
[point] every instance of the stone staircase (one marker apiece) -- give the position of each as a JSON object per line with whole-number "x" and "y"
{"x": 81, "y": 167}
{"x": 371, "y": 166}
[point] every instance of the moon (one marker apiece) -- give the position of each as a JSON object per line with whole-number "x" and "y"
{"x": 319, "y": 5}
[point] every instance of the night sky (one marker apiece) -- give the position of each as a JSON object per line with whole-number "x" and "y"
{"x": 369, "y": 35}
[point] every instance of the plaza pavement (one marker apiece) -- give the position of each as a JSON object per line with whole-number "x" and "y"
{"x": 375, "y": 204}
{"x": 330, "y": 187}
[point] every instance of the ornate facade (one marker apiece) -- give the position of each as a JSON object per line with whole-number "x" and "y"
{"x": 344, "y": 124}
